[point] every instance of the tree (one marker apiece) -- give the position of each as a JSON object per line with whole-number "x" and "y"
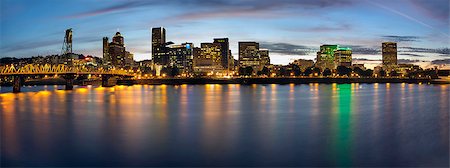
{"x": 307, "y": 71}
{"x": 316, "y": 70}
{"x": 358, "y": 71}
{"x": 296, "y": 70}
{"x": 394, "y": 73}
{"x": 264, "y": 71}
{"x": 246, "y": 71}
{"x": 382, "y": 73}
{"x": 343, "y": 70}
{"x": 367, "y": 73}
{"x": 326, "y": 72}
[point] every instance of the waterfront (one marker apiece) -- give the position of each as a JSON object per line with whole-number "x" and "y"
{"x": 227, "y": 125}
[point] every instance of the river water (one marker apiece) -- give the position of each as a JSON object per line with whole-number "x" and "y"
{"x": 227, "y": 125}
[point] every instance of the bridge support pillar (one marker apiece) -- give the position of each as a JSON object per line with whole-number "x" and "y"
{"x": 17, "y": 83}
{"x": 69, "y": 81}
{"x": 105, "y": 81}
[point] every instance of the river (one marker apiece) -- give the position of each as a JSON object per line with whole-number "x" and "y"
{"x": 227, "y": 125}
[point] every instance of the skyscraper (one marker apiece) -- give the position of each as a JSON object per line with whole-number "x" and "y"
{"x": 224, "y": 53}
{"x": 207, "y": 58}
{"x": 326, "y": 57}
{"x": 181, "y": 56}
{"x": 264, "y": 57}
{"x": 106, "y": 57}
{"x": 343, "y": 56}
{"x": 249, "y": 55}
{"x": 389, "y": 52}
{"x": 114, "y": 53}
{"x": 159, "y": 46}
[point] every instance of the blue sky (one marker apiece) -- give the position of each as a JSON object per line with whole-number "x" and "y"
{"x": 288, "y": 28}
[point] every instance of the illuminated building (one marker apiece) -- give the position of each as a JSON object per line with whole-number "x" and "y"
{"x": 389, "y": 52}
{"x": 325, "y": 57}
{"x": 159, "y": 46}
{"x": 115, "y": 54}
{"x": 225, "y": 54}
{"x": 181, "y": 56}
{"x": 264, "y": 58}
{"x": 343, "y": 57}
{"x": 208, "y": 58}
{"x": 106, "y": 57}
{"x": 249, "y": 55}
{"x": 331, "y": 56}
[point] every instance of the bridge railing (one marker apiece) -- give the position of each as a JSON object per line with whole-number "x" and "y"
{"x": 58, "y": 69}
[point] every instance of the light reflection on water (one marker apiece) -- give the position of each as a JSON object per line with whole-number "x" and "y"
{"x": 227, "y": 125}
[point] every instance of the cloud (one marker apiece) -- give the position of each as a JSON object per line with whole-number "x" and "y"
{"x": 442, "y": 61}
{"x": 412, "y": 55}
{"x": 364, "y": 50}
{"x": 323, "y": 28}
{"x": 200, "y": 9}
{"x": 401, "y": 38}
{"x": 288, "y": 49}
{"x": 29, "y": 45}
{"x": 442, "y": 51}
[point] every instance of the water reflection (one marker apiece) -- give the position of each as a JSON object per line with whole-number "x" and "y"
{"x": 227, "y": 125}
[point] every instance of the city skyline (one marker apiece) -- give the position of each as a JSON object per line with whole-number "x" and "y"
{"x": 289, "y": 29}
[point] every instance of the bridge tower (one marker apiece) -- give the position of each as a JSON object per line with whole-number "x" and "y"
{"x": 66, "y": 51}
{"x": 67, "y": 44}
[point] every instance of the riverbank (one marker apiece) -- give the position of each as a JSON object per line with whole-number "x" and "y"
{"x": 179, "y": 81}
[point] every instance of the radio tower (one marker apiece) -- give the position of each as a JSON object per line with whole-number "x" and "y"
{"x": 67, "y": 45}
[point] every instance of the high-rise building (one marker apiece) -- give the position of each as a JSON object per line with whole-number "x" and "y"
{"x": 249, "y": 55}
{"x": 159, "y": 48}
{"x": 264, "y": 58}
{"x": 181, "y": 56}
{"x": 106, "y": 57}
{"x": 114, "y": 53}
{"x": 389, "y": 52}
{"x": 325, "y": 57}
{"x": 224, "y": 53}
{"x": 343, "y": 57}
{"x": 208, "y": 58}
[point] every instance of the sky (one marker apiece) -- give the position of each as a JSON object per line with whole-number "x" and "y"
{"x": 290, "y": 29}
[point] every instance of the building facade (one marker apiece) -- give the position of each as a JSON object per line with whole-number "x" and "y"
{"x": 249, "y": 55}
{"x": 181, "y": 56}
{"x": 225, "y": 54}
{"x": 159, "y": 48}
{"x": 332, "y": 56}
{"x": 325, "y": 57}
{"x": 264, "y": 58}
{"x": 343, "y": 57}
{"x": 389, "y": 54}
{"x": 114, "y": 53}
{"x": 208, "y": 58}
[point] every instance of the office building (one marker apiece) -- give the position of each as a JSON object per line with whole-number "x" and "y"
{"x": 325, "y": 57}
{"x": 159, "y": 48}
{"x": 181, "y": 56}
{"x": 208, "y": 58}
{"x": 389, "y": 53}
{"x": 225, "y": 56}
{"x": 264, "y": 58}
{"x": 115, "y": 54}
{"x": 343, "y": 57}
{"x": 249, "y": 55}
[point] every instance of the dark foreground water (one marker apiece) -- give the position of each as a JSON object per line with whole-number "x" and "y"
{"x": 227, "y": 125}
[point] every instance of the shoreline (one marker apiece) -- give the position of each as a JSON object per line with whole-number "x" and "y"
{"x": 244, "y": 81}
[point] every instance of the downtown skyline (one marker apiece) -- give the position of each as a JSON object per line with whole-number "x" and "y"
{"x": 289, "y": 29}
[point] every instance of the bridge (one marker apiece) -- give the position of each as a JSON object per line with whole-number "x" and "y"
{"x": 67, "y": 72}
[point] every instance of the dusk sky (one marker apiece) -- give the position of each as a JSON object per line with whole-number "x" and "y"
{"x": 288, "y": 28}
